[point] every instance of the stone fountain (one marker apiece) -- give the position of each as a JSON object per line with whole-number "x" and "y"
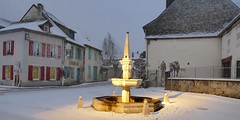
{"x": 125, "y": 103}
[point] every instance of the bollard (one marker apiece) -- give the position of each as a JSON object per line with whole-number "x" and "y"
{"x": 146, "y": 110}
{"x": 80, "y": 104}
{"x": 114, "y": 93}
{"x": 166, "y": 99}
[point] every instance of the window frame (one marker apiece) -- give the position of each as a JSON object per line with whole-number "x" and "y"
{"x": 33, "y": 71}
{"x": 55, "y": 73}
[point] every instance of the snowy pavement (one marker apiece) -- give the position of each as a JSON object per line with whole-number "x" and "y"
{"x": 60, "y": 103}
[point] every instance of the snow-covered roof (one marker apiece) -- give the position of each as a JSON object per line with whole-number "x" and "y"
{"x": 4, "y": 22}
{"x": 28, "y": 25}
{"x": 184, "y": 17}
{"x": 55, "y": 30}
{"x": 87, "y": 41}
{"x": 55, "y": 19}
{"x": 188, "y": 35}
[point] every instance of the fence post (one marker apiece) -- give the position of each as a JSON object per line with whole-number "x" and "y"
{"x": 213, "y": 71}
{"x": 156, "y": 79}
{"x": 195, "y": 70}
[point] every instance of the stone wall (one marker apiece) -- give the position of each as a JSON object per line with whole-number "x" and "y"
{"x": 221, "y": 87}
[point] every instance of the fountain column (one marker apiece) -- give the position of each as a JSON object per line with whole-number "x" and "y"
{"x": 127, "y": 69}
{"x": 126, "y": 82}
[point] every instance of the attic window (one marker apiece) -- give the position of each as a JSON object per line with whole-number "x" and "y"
{"x": 46, "y": 29}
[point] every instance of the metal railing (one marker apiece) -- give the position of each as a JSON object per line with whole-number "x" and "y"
{"x": 210, "y": 72}
{"x": 157, "y": 77}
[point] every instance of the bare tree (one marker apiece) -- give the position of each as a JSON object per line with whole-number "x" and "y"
{"x": 109, "y": 48}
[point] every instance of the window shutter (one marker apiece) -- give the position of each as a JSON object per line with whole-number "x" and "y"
{"x": 65, "y": 72}
{"x": 43, "y": 49}
{"x": 4, "y": 48}
{"x": 30, "y": 48}
{"x": 42, "y": 73}
{"x": 12, "y": 47}
{"x": 59, "y": 52}
{"x": 76, "y": 54}
{"x": 3, "y": 72}
{"x": 48, "y": 50}
{"x": 48, "y": 73}
{"x": 30, "y": 72}
{"x": 58, "y": 73}
{"x": 11, "y": 72}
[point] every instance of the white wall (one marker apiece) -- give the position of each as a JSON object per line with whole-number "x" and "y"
{"x": 197, "y": 52}
{"x": 18, "y": 38}
{"x": 231, "y": 46}
{"x": 21, "y": 53}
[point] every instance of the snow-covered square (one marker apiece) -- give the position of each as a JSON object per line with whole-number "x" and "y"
{"x": 60, "y": 103}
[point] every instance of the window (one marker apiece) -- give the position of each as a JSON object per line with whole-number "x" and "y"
{"x": 8, "y": 48}
{"x": 95, "y": 55}
{"x": 35, "y": 72}
{"x": 228, "y": 42}
{"x": 89, "y": 53}
{"x": 7, "y": 72}
{"x": 36, "y": 48}
{"x": 46, "y": 28}
{"x": 89, "y": 70}
{"x": 52, "y": 73}
{"x": 78, "y": 53}
{"x": 53, "y": 51}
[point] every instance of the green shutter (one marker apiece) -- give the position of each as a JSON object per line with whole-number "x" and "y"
{"x": 89, "y": 53}
{"x": 89, "y": 70}
{"x": 95, "y": 73}
{"x": 80, "y": 54}
{"x": 76, "y": 54}
{"x": 95, "y": 55}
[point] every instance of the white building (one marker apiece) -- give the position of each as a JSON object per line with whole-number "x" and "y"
{"x": 41, "y": 50}
{"x": 196, "y": 34}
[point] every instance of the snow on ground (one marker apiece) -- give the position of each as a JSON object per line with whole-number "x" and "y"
{"x": 60, "y": 103}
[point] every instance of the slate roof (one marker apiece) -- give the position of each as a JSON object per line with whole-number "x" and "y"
{"x": 192, "y": 17}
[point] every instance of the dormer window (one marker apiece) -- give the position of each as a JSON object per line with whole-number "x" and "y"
{"x": 46, "y": 28}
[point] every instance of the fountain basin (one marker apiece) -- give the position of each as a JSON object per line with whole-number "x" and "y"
{"x": 114, "y": 104}
{"x": 126, "y": 82}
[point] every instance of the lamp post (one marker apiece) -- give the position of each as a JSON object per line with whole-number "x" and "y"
{"x": 68, "y": 48}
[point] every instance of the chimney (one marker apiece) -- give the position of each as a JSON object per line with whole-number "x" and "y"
{"x": 40, "y": 10}
{"x": 168, "y": 3}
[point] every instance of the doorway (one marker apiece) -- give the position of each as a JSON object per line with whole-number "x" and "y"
{"x": 238, "y": 69}
{"x": 226, "y": 64}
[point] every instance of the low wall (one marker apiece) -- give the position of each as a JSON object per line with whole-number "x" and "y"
{"x": 221, "y": 87}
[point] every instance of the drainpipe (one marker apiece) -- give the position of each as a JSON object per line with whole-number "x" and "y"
{"x": 63, "y": 59}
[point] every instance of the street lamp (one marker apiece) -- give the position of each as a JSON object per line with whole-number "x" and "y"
{"x": 68, "y": 47}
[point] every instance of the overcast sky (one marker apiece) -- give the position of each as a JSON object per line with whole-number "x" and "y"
{"x": 95, "y": 18}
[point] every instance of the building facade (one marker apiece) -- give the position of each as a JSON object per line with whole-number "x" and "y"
{"x": 30, "y": 58}
{"x": 40, "y": 50}
{"x": 197, "y": 35}
{"x": 93, "y": 62}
